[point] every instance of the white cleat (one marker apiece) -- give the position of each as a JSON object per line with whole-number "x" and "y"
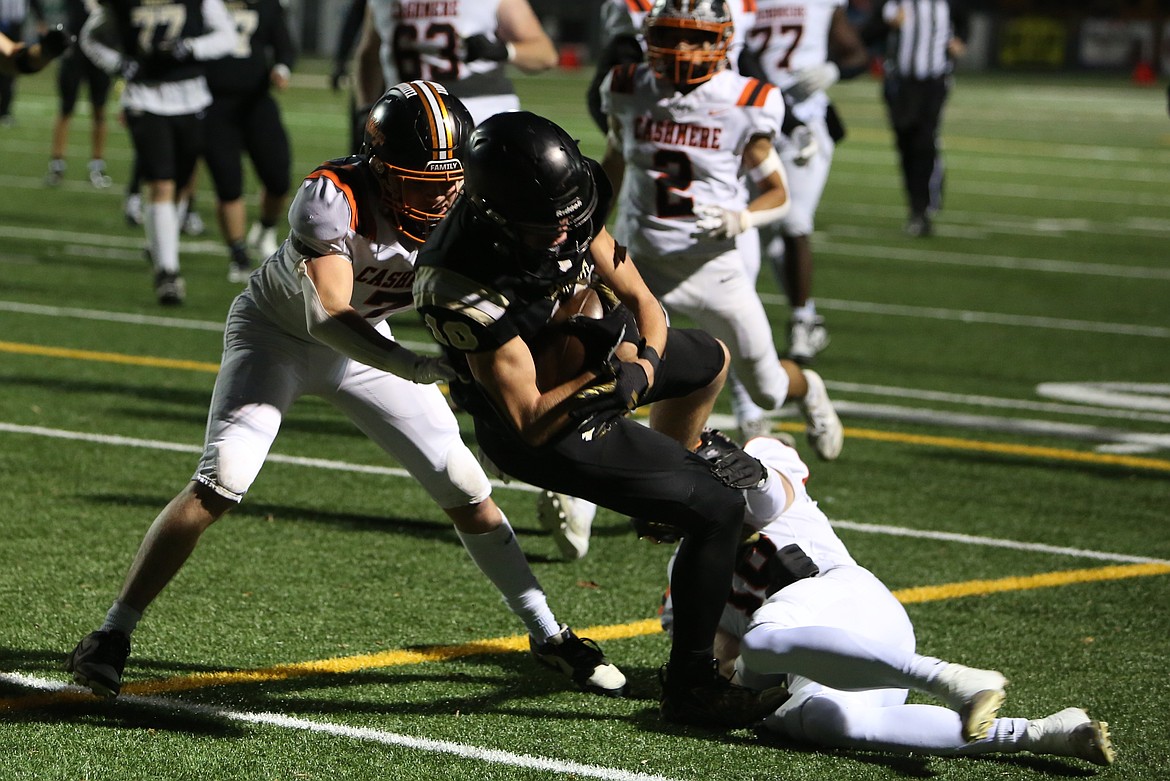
{"x": 569, "y": 520}
{"x": 976, "y": 694}
{"x": 1071, "y": 733}
{"x": 806, "y": 338}
{"x": 825, "y": 432}
{"x": 262, "y": 241}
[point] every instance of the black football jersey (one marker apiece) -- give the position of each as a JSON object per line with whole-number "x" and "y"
{"x": 264, "y": 41}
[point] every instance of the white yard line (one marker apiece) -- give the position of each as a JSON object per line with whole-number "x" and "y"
{"x": 364, "y": 734}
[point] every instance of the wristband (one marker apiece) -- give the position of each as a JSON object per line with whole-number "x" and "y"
{"x": 511, "y": 51}
{"x": 648, "y": 354}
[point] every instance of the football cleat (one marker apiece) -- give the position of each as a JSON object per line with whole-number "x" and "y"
{"x": 716, "y": 702}
{"x": 169, "y": 288}
{"x": 56, "y": 173}
{"x": 568, "y": 520}
{"x": 97, "y": 174}
{"x": 582, "y": 660}
{"x": 98, "y": 661}
{"x": 239, "y": 266}
{"x": 824, "y": 430}
{"x": 193, "y": 224}
{"x": 918, "y": 226}
{"x": 1071, "y": 733}
{"x": 806, "y": 338}
{"x": 976, "y": 694}
{"x": 132, "y": 210}
{"x": 262, "y": 241}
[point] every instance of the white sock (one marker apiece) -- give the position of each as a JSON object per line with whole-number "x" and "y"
{"x": 162, "y": 234}
{"x": 806, "y": 313}
{"x": 121, "y": 617}
{"x": 498, "y": 555}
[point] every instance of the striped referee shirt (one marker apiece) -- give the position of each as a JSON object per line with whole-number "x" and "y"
{"x": 917, "y": 49}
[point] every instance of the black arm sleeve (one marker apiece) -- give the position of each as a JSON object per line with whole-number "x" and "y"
{"x": 622, "y": 49}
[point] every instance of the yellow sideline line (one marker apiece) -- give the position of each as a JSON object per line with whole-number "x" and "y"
{"x": 519, "y": 643}
{"x": 1002, "y": 448}
{"x": 954, "y": 443}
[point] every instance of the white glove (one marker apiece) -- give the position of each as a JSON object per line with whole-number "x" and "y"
{"x": 433, "y": 369}
{"x": 804, "y": 141}
{"x": 812, "y": 80}
{"x": 715, "y": 222}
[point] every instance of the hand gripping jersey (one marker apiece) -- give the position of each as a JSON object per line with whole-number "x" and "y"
{"x": 421, "y": 39}
{"x": 681, "y": 150}
{"x": 336, "y": 212}
{"x": 791, "y": 35}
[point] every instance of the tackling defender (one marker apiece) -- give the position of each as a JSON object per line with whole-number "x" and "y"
{"x": 312, "y": 321}
{"x": 802, "y": 611}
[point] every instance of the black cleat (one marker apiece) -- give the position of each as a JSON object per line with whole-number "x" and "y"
{"x": 98, "y": 661}
{"x": 582, "y": 660}
{"x": 716, "y": 702}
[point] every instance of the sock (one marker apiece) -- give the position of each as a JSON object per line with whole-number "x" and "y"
{"x": 162, "y": 234}
{"x": 121, "y": 617}
{"x": 498, "y": 555}
{"x": 182, "y": 206}
{"x": 238, "y": 251}
{"x": 57, "y": 165}
{"x": 97, "y": 164}
{"x": 806, "y": 313}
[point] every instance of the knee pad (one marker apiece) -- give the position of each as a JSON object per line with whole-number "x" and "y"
{"x": 467, "y": 475}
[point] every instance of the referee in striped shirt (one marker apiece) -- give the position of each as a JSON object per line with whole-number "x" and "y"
{"x": 923, "y": 38}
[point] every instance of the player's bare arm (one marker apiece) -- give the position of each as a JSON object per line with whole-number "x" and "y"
{"x": 327, "y": 283}
{"x": 368, "y": 79}
{"x": 616, "y": 270}
{"x": 531, "y": 50}
{"x": 508, "y": 376}
{"x": 845, "y": 45}
{"x": 614, "y": 161}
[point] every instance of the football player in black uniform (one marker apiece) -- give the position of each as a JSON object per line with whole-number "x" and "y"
{"x": 529, "y": 226}
{"x": 244, "y": 116}
{"x": 159, "y": 49}
{"x": 76, "y": 68}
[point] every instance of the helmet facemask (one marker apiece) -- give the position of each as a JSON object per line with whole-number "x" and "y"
{"x": 686, "y": 52}
{"x": 417, "y": 200}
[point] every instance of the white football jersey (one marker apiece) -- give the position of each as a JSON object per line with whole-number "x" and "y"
{"x": 791, "y": 35}
{"x": 682, "y": 150}
{"x": 625, "y": 17}
{"x": 326, "y": 219}
{"x": 421, "y": 38}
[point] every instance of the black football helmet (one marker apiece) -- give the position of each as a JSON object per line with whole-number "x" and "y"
{"x": 527, "y": 178}
{"x": 687, "y": 40}
{"x": 415, "y": 141}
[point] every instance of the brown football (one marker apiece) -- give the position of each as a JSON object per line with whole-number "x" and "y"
{"x": 558, "y": 356}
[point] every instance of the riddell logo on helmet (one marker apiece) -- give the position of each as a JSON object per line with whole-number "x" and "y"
{"x": 567, "y": 210}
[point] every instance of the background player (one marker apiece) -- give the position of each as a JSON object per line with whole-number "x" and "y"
{"x": 463, "y": 46}
{"x": 682, "y": 128}
{"x": 245, "y": 117}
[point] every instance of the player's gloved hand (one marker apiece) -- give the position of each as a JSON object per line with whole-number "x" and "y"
{"x": 716, "y": 222}
{"x": 129, "y": 68}
{"x": 175, "y": 50}
{"x": 430, "y": 369}
{"x": 655, "y": 531}
{"x": 804, "y": 141}
{"x": 55, "y": 41}
{"x": 814, "y": 79}
{"x": 480, "y": 47}
{"x": 739, "y": 470}
{"x": 619, "y": 392}
{"x": 600, "y": 336}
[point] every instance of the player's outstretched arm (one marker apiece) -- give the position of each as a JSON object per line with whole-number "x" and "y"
{"x": 531, "y": 50}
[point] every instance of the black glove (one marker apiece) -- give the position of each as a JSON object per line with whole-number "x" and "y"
{"x": 55, "y": 41}
{"x": 619, "y": 392}
{"x": 480, "y": 47}
{"x": 129, "y": 68}
{"x": 600, "y": 335}
{"x": 739, "y": 470}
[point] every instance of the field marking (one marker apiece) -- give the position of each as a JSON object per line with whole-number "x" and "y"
{"x": 364, "y": 734}
{"x": 519, "y": 643}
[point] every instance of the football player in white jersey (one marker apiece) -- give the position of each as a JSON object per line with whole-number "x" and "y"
{"x": 312, "y": 321}
{"x": 802, "y": 612}
{"x": 682, "y": 129}
{"x": 461, "y": 44}
{"x": 803, "y": 47}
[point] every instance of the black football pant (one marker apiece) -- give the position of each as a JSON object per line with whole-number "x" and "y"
{"x": 915, "y": 109}
{"x": 635, "y": 471}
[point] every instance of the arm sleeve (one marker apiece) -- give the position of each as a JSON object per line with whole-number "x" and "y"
{"x": 622, "y": 49}
{"x": 95, "y": 43}
{"x": 284, "y": 51}
{"x": 222, "y": 33}
{"x": 319, "y": 219}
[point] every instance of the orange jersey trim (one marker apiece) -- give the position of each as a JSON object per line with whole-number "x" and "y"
{"x": 754, "y": 93}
